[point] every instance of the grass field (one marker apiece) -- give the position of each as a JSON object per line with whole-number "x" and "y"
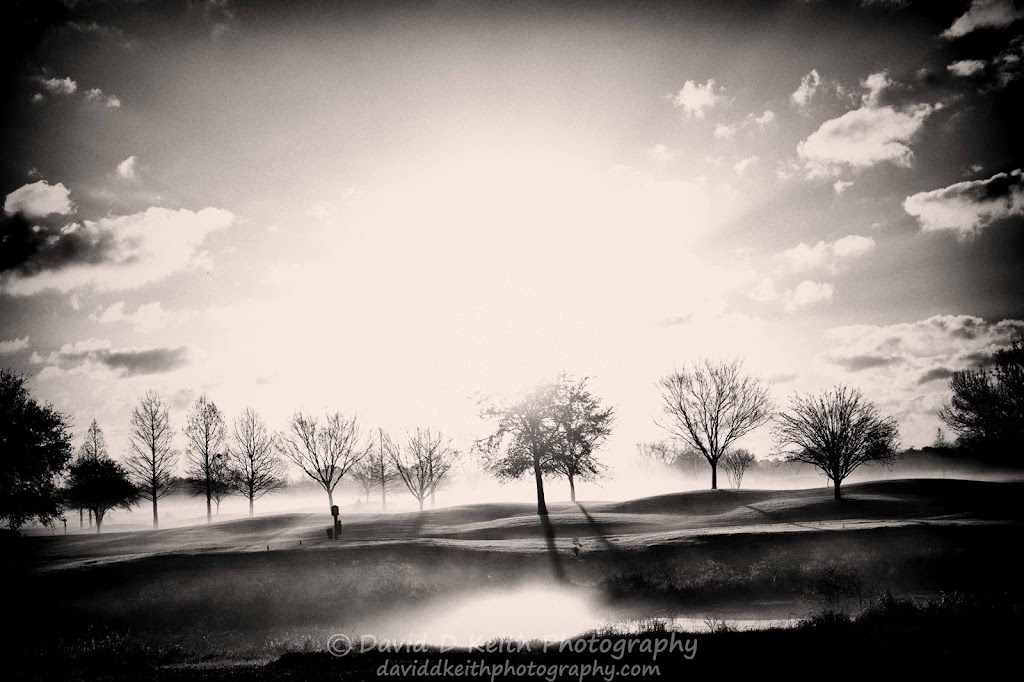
{"x": 246, "y": 592}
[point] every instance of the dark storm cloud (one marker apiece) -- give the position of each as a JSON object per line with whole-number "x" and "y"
{"x": 27, "y": 248}
{"x": 132, "y": 362}
{"x": 858, "y": 363}
{"x": 125, "y": 361}
{"x": 935, "y": 374}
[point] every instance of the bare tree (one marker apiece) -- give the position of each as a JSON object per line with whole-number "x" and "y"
{"x": 736, "y": 463}
{"x": 254, "y": 467}
{"x": 324, "y": 452}
{"x": 152, "y": 461}
{"x": 384, "y": 473}
{"x": 836, "y": 432}
{"x": 424, "y": 463}
{"x": 93, "y": 447}
{"x": 204, "y": 455}
{"x": 709, "y": 405}
{"x": 583, "y": 424}
{"x": 665, "y": 452}
{"x": 363, "y": 474}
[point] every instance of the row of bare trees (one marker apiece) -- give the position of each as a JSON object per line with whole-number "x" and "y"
{"x": 709, "y": 405}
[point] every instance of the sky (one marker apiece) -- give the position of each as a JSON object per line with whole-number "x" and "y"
{"x": 389, "y": 208}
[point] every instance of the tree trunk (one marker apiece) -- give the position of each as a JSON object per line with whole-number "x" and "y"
{"x": 572, "y": 489}
{"x": 81, "y": 519}
{"x": 156, "y": 519}
{"x": 838, "y": 495}
{"x": 209, "y": 496}
{"x": 90, "y": 518}
{"x": 250, "y": 504}
{"x": 714, "y": 475}
{"x": 542, "y": 508}
{"x": 330, "y": 500}
{"x": 99, "y": 521}
{"x": 421, "y": 504}
{"x": 383, "y": 496}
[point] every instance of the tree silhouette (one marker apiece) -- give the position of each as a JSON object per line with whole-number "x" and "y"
{"x": 525, "y": 436}
{"x": 325, "y": 452}
{"x": 93, "y": 447}
{"x": 987, "y": 407}
{"x": 254, "y": 467}
{"x": 736, "y": 463}
{"x": 583, "y": 424}
{"x": 35, "y": 447}
{"x": 204, "y": 454}
{"x": 709, "y": 405}
{"x": 100, "y": 484}
{"x": 424, "y": 463}
{"x": 836, "y": 432}
{"x": 151, "y": 464}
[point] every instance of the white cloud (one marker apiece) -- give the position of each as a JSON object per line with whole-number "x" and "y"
{"x": 862, "y": 138}
{"x": 966, "y": 67}
{"x": 807, "y": 293}
{"x": 13, "y": 346}
{"x": 39, "y": 199}
{"x": 96, "y": 95}
{"x": 37, "y": 98}
{"x": 984, "y": 14}
{"x": 723, "y": 131}
{"x": 765, "y": 119}
{"x": 852, "y": 246}
{"x": 126, "y": 169}
{"x": 696, "y": 99}
{"x": 743, "y": 164}
{"x": 809, "y": 85}
{"x": 841, "y": 186}
{"x": 660, "y": 152}
{"x": 137, "y": 249}
{"x": 967, "y": 207}
{"x": 875, "y": 84}
{"x": 826, "y": 255}
{"x": 58, "y": 86}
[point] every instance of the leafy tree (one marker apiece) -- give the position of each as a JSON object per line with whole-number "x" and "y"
{"x": 736, "y": 463}
{"x": 206, "y": 467}
{"x": 324, "y": 451}
{"x": 35, "y": 447}
{"x": 100, "y": 484}
{"x": 153, "y": 458}
{"x": 254, "y": 467}
{"x": 836, "y": 432}
{"x": 424, "y": 463}
{"x": 987, "y": 407}
{"x": 709, "y": 405}
{"x": 583, "y": 425}
{"x": 525, "y": 436}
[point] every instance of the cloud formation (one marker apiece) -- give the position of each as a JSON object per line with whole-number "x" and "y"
{"x": 39, "y": 199}
{"x": 148, "y": 317}
{"x": 57, "y": 86}
{"x": 807, "y": 293}
{"x": 822, "y": 255}
{"x": 112, "y": 253}
{"x": 984, "y": 14}
{"x": 965, "y": 68}
{"x": 926, "y": 350}
{"x": 863, "y": 138}
{"x": 96, "y": 95}
{"x": 968, "y": 207}
{"x": 91, "y": 354}
{"x": 13, "y": 346}
{"x": 126, "y": 169}
{"x": 695, "y": 99}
